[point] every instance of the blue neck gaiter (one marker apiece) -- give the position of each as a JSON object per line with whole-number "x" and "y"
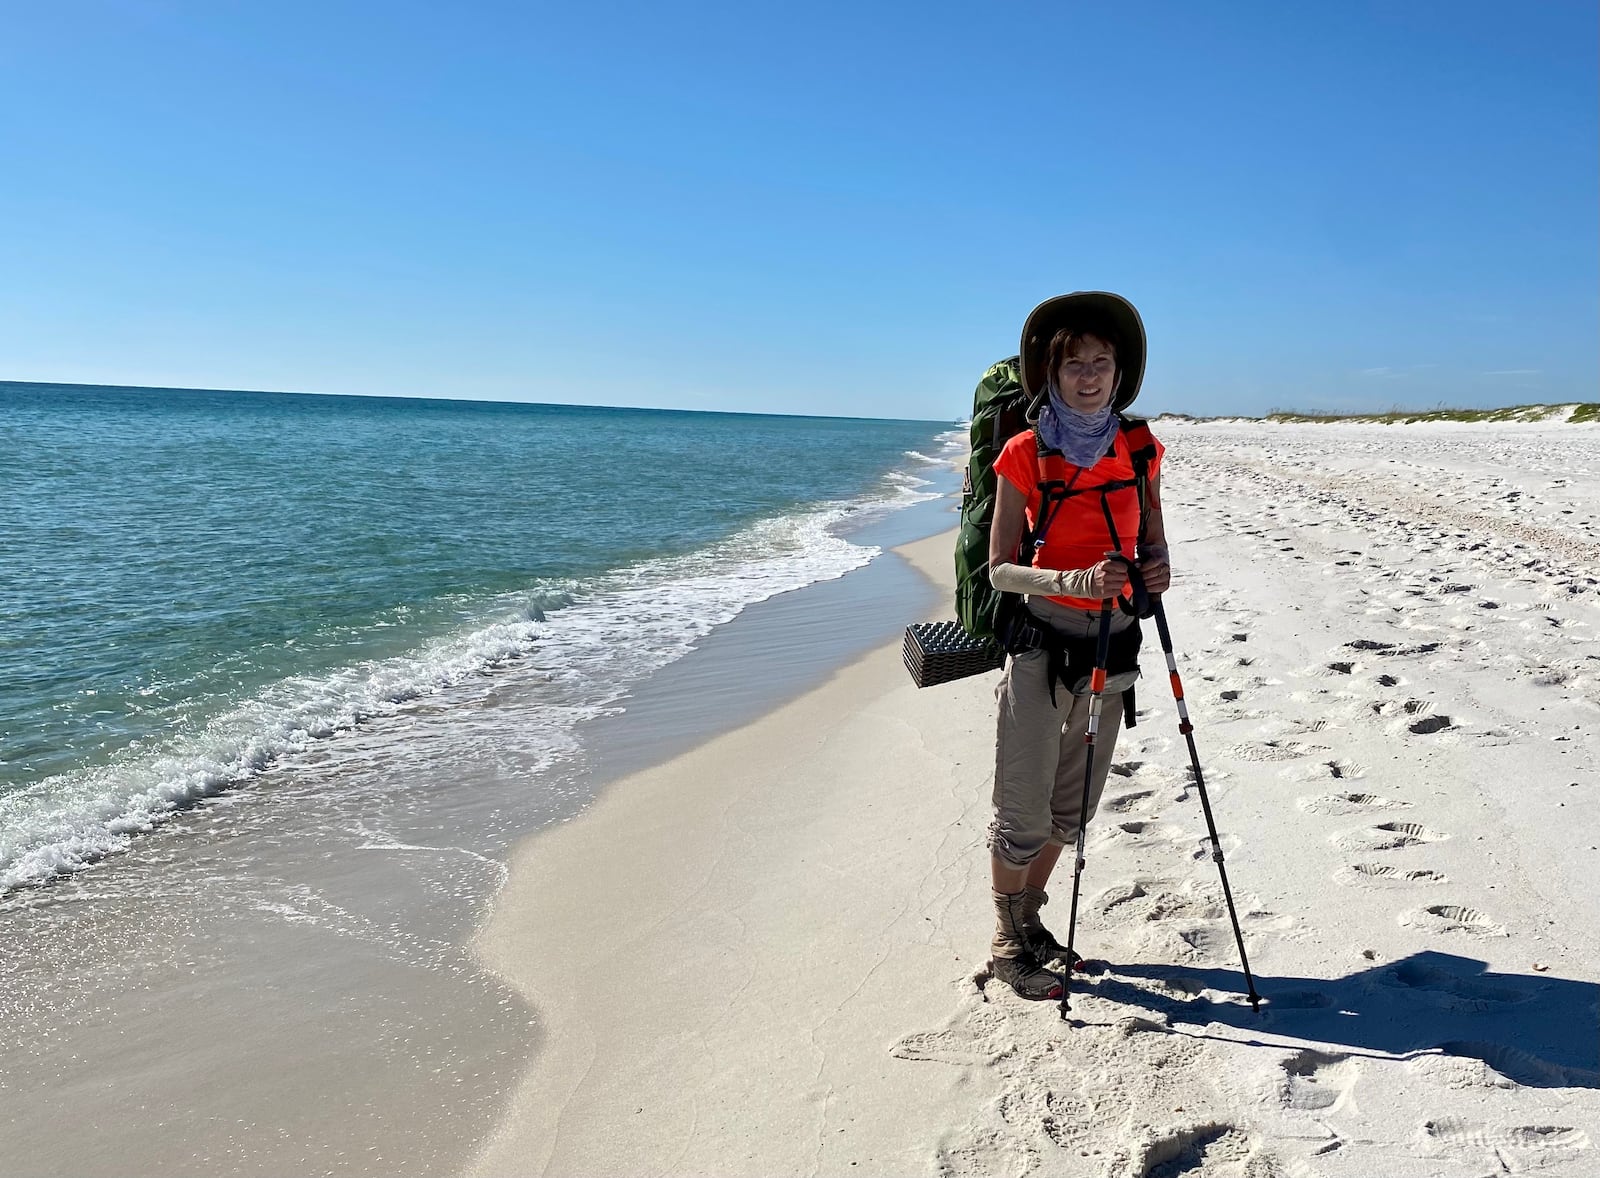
{"x": 1082, "y": 438}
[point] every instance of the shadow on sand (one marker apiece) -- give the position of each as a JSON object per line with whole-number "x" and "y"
{"x": 1536, "y": 1030}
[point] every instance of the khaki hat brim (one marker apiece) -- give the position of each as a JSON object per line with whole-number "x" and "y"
{"x": 1095, "y": 310}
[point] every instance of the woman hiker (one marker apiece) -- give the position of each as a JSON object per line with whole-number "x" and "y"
{"x": 1082, "y": 360}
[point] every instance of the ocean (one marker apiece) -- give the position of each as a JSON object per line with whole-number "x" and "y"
{"x": 198, "y": 589}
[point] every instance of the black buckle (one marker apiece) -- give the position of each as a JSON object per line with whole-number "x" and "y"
{"x": 1021, "y": 632}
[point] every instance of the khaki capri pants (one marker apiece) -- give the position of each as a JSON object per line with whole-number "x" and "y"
{"x": 1039, "y": 747}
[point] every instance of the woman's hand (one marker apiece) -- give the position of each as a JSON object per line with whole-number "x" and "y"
{"x": 1109, "y": 578}
{"x": 1157, "y": 573}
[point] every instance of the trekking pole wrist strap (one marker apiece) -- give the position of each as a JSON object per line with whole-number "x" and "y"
{"x": 1137, "y": 601}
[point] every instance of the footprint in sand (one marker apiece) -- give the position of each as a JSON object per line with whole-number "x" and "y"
{"x": 1158, "y": 899}
{"x": 1274, "y": 750}
{"x": 1322, "y": 771}
{"x": 1392, "y": 649}
{"x": 1458, "y": 1072}
{"x": 1452, "y": 918}
{"x": 1372, "y": 644}
{"x": 1387, "y": 836}
{"x": 1315, "y": 697}
{"x": 1507, "y": 1066}
{"x": 972, "y": 1037}
{"x": 1172, "y": 990}
{"x": 1062, "y": 1124}
{"x": 1214, "y": 941}
{"x": 939, "y": 1047}
{"x": 1380, "y": 875}
{"x": 1394, "y": 707}
{"x": 1419, "y": 648}
{"x": 1349, "y": 803}
{"x": 1048, "y": 1102}
{"x": 1287, "y": 727}
{"x": 985, "y": 1152}
{"x": 1188, "y": 919}
{"x": 1202, "y": 851}
{"x": 1126, "y": 802}
{"x": 1313, "y": 1081}
{"x": 1210, "y": 1148}
{"x": 1424, "y": 723}
{"x": 1514, "y": 1149}
{"x": 1430, "y": 724}
{"x": 1447, "y": 990}
{"x": 1140, "y": 833}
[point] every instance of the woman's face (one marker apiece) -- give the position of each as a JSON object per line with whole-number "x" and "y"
{"x": 1088, "y": 376}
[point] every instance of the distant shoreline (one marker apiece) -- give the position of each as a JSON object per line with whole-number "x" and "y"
{"x": 1571, "y": 412}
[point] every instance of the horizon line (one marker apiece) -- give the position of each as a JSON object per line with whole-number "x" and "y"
{"x": 138, "y": 388}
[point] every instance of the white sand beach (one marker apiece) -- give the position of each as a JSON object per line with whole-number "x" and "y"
{"x": 764, "y": 957}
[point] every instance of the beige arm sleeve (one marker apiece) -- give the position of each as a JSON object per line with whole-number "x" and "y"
{"x": 1016, "y": 578}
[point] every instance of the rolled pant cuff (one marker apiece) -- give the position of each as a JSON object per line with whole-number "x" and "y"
{"x": 1009, "y": 853}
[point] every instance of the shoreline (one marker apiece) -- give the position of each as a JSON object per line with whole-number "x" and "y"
{"x": 718, "y": 951}
{"x": 239, "y": 947}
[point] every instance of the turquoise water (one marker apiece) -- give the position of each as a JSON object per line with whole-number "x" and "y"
{"x": 193, "y": 584}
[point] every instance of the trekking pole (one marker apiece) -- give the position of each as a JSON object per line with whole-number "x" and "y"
{"x": 1097, "y": 686}
{"x": 1185, "y": 727}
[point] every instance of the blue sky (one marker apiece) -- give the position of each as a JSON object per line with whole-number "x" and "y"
{"x": 818, "y": 208}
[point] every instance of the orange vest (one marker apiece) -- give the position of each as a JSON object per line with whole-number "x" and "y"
{"x": 1085, "y": 512}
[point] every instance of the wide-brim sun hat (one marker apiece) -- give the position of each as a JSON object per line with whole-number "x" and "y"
{"x": 1096, "y": 312}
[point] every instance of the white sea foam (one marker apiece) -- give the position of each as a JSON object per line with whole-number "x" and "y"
{"x": 579, "y": 666}
{"x": 899, "y": 478}
{"x": 62, "y": 823}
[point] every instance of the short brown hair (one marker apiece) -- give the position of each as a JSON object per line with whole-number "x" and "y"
{"x": 1066, "y": 342}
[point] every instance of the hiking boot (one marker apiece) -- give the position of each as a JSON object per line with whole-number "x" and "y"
{"x": 1010, "y": 958}
{"x": 1041, "y": 943}
{"x": 1027, "y": 977}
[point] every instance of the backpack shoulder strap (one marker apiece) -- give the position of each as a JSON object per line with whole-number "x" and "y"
{"x": 1142, "y": 451}
{"x": 1050, "y": 492}
{"x": 1141, "y": 443}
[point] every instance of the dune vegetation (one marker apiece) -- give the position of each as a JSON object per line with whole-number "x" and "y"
{"x": 1571, "y": 413}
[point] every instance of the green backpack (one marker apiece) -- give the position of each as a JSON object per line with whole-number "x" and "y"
{"x": 999, "y": 413}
